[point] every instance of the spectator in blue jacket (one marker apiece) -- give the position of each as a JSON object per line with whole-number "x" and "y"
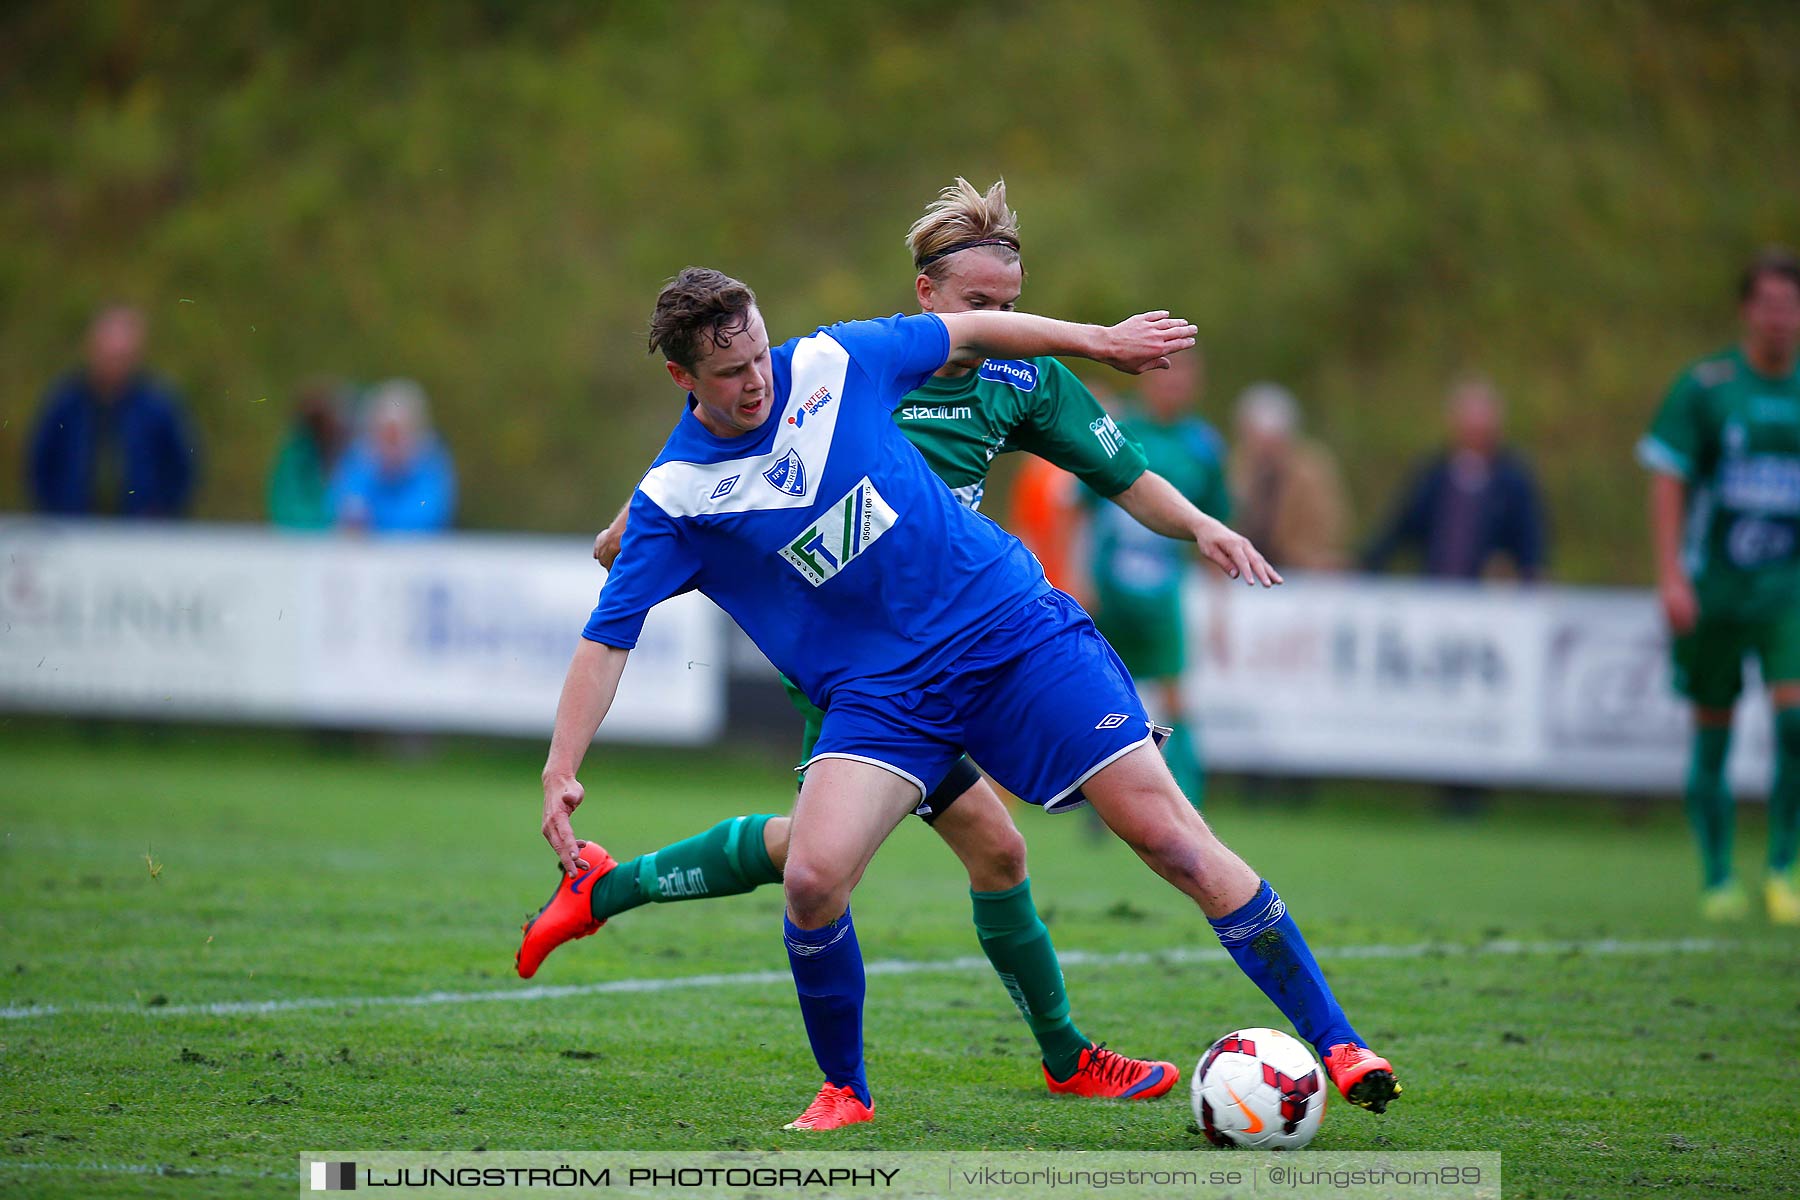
{"x": 1471, "y": 503}
{"x": 397, "y": 477}
{"x": 111, "y": 438}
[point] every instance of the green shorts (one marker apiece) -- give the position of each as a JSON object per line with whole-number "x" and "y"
{"x": 1146, "y": 631}
{"x": 1709, "y": 661}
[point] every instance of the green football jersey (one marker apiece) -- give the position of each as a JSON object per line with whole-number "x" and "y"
{"x": 1036, "y": 405}
{"x": 1734, "y": 437}
{"x": 1130, "y": 560}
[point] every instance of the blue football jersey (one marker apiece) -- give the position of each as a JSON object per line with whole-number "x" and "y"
{"x": 823, "y": 533}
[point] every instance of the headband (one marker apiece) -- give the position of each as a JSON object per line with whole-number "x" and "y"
{"x": 1010, "y": 243}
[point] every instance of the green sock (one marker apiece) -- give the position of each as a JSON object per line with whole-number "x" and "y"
{"x": 1015, "y": 940}
{"x": 1182, "y": 752}
{"x": 727, "y": 860}
{"x": 1784, "y": 796}
{"x": 1709, "y": 803}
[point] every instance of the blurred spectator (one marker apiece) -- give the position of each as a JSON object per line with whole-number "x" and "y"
{"x": 1466, "y": 505}
{"x": 300, "y": 484}
{"x": 1475, "y": 500}
{"x": 1286, "y": 489}
{"x": 111, "y": 438}
{"x": 397, "y": 477}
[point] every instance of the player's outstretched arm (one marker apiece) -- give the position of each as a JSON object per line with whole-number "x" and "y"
{"x": 1159, "y": 506}
{"x": 587, "y": 694}
{"x": 1138, "y": 344}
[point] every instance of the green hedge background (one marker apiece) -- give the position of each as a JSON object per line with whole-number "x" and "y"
{"x": 1360, "y": 200}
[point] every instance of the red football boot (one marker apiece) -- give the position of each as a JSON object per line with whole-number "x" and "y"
{"x": 1364, "y": 1077}
{"x": 832, "y": 1108}
{"x": 569, "y": 913}
{"x": 1111, "y": 1075}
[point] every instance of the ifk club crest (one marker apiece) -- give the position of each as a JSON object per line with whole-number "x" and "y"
{"x": 788, "y": 475}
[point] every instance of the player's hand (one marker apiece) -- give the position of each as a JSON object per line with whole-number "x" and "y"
{"x": 562, "y": 796}
{"x": 1680, "y": 605}
{"x": 1145, "y": 342}
{"x": 1233, "y": 554}
{"x": 606, "y": 545}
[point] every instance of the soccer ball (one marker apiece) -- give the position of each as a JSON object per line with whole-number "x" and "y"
{"x": 1259, "y": 1089}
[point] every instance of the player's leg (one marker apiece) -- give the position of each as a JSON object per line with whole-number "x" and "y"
{"x": 978, "y": 828}
{"x": 1780, "y": 655}
{"x": 1088, "y": 734}
{"x": 1781, "y": 890}
{"x": 738, "y": 855}
{"x": 1708, "y": 670}
{"x": 733, "y": 857}
{"x": 1712, "y": 814}
{"x": 1138, "y": 800}
{"x": 847, "y": 807}
{"x": 973, "y": 821}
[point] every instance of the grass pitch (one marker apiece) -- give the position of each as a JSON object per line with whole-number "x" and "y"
{"x": 144, "y": 876}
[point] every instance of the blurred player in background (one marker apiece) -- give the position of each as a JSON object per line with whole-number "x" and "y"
{"x": 965, "y": 251}
{"x": 1138, "y": 575}
{"x": 1043, "y": 510}
{"x": 926, "y": 627}
{"x": 1724, "y": 452}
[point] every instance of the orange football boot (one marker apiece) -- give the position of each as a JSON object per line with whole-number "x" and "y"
{"x": 833, "y": 1107}
{"x": 1111, "y": 1075}
{"x": 1364, "y": 1077}
{"x": 569, "y": 913}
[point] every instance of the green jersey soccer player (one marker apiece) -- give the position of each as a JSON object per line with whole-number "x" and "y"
{"x": 1138, "y": 576}
{"x": 1725, "y": 514}
{"x": 966, "y": 251}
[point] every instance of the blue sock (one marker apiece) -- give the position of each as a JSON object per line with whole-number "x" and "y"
{"x": 828, "y": 974}
{"x": 1266, "y": 945}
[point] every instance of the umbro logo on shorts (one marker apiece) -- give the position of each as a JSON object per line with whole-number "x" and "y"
{"x": 1112, "y": 721}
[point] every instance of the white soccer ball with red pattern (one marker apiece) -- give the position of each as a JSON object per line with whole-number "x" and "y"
{"x": 1259, "y": 1089}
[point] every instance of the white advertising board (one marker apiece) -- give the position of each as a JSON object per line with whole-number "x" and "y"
{"x": 462, "y": 632}
{"x": 1330, "y": 675}
{"x": 1551, "y": 686}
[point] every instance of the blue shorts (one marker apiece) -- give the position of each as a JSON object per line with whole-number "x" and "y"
{"x": 1041, "y": 702}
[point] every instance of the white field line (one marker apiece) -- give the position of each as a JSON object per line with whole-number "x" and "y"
{"x": 1072, "y": 958}
{"x": 169, "y": 1169}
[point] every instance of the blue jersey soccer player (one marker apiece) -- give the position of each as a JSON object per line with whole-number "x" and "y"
{"x": 966, "y": 255}
{"x": 920, "y": 627}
